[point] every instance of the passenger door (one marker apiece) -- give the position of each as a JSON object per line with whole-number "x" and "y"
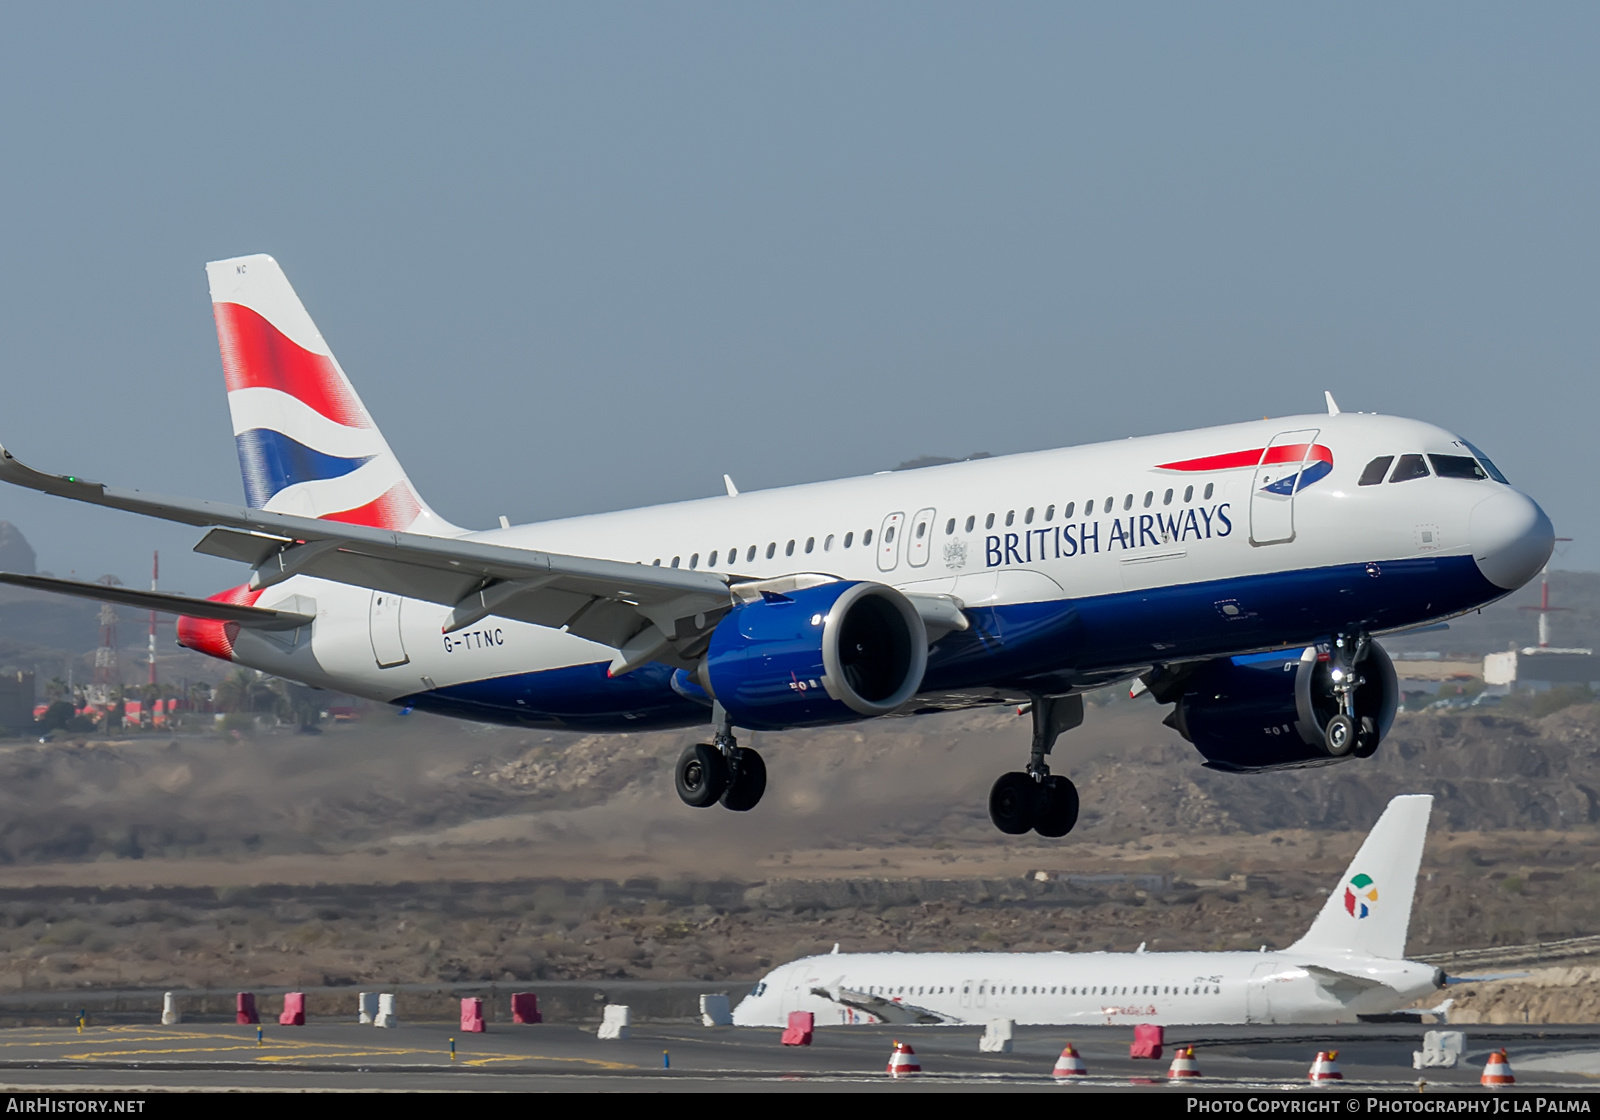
{"x": 921, "y": 540}
{"x": 889, "y": 542}
{"x": 1273, "y": 489}
{"x": 384, "y": 626}
{"x": 1258, "y": 993}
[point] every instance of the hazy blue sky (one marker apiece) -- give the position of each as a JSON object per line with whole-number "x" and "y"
{"x": 588, "y": 256}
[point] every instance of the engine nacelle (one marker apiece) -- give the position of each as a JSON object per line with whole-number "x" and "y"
{"x": 830, "y": 654}
{"x": 1269, "y": 711}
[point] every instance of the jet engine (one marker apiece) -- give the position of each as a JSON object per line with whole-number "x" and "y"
{"x": 1271, "y": 711}
{"x": 829, "y": 654}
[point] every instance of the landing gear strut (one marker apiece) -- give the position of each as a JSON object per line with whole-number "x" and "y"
{"x": 1347, "y": 731}
{"x": 720, "y": 770}
{"x": 1035, "y": 798}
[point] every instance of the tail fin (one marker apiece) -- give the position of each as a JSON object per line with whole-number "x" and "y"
{"x": 306, "y": 443}
{"x": 1370, "y": 910}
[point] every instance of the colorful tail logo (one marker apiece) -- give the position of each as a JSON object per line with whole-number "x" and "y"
{"x": 306, "y": 443}
{"x": 1360, "y": 896}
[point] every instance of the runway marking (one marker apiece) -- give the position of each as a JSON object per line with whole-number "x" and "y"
{"x": 280, "y": 1049}
{"x": 97, "y": 1054}
{"x": 601, "y": 1062}
{"x": 76, "y": 1039}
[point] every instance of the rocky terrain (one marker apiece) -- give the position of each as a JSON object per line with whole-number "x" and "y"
{"x": 414, "y": 850}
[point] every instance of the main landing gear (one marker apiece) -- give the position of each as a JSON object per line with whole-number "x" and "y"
{"x": 721, "y": 770}
{"x": 1037, "y": 799}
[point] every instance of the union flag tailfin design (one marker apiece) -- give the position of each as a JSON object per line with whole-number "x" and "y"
{"x": 306, "y": 443}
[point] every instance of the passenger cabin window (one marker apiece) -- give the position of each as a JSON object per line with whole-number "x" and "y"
{"x": 849, "y": 539}
{"x": 1011, "y": 516}
{"x": 1149, "y": 496}
{"x": 1209, "y": 488}
{"x": 675, "y": 561}
{"x": 866, "y": 538}
{"x": 950, "y": 527}
{"x": 712, "y": 563}
{"x": 988, "y": 522}
{"x": 750, "y": 558}
{"x": 1457, "y": 466}
{"x": 1376, "y": 471}
{"x": 1066, "y": 510}
{"x": 788, "y": 549}
{"x": 971, "y": 521}
{"x": 1127, "y": 503}
{"x": 1049, "y": 513}
{"x": 1027, "y": 518}
{"x": 811, "y": 542}
{"x": 1409, "y": 467}
{"x": 694, "y": 561}
{"x": 772, "y": 549}
{"x": 1110, "y": 504}
{"x": 827, "y": 545}
{"x": 1188, "y": 494}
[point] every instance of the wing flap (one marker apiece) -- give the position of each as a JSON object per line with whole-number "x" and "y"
{"x": 247, "y": 548}
{"x": 893, "y": 1012}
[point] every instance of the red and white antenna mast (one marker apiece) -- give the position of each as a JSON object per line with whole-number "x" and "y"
{"x": 1544, "y": 608}
{"x": 155, "y": 575}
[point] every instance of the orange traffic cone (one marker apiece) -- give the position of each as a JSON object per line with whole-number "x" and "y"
{"x": 1326, "y": 1067}
{"x": 903, "y": 1061}
{"x": 1070, "y": 1064}
{"x": 1183, "y": 1064}
{"x": 1497, "y": 1071}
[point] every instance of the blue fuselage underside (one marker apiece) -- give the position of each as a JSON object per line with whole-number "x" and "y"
{"x": 1046, "y": 647}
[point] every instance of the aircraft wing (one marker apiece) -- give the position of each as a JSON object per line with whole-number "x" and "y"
{"x": 646, "y": 613}
{"x": 893, "y": 1012}
{"x": 255, "y": 618}
{"x": 1341, "y": 983}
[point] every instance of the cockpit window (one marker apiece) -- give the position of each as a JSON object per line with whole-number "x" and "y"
{"x": 1457, "y": 466}
{"x": 1494, "y": 471}
{"x": 1376, "y": 470}
{"x": 1409, "y": 467}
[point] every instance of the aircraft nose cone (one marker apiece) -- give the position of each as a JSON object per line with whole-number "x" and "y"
{"x": 1511, "y": 538}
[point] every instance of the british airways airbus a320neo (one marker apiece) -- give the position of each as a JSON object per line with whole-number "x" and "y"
{"x": 1237, "y": 573}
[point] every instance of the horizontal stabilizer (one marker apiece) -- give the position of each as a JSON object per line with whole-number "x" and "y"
{"x": 254, "y": 618}
{"x": 1342, "y": 984}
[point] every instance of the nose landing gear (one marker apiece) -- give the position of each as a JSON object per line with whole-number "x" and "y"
{"x": 1349, "y": 731}
{"x": 720, "y": 770}
{"x": 1036, "y": 799}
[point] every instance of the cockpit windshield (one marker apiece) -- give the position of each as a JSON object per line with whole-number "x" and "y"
{"x": 1457, "y": 466}
{"x": 1488, "y": 465}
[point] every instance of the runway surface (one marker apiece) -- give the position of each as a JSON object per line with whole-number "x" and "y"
{"x": 337, "y": 1056}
